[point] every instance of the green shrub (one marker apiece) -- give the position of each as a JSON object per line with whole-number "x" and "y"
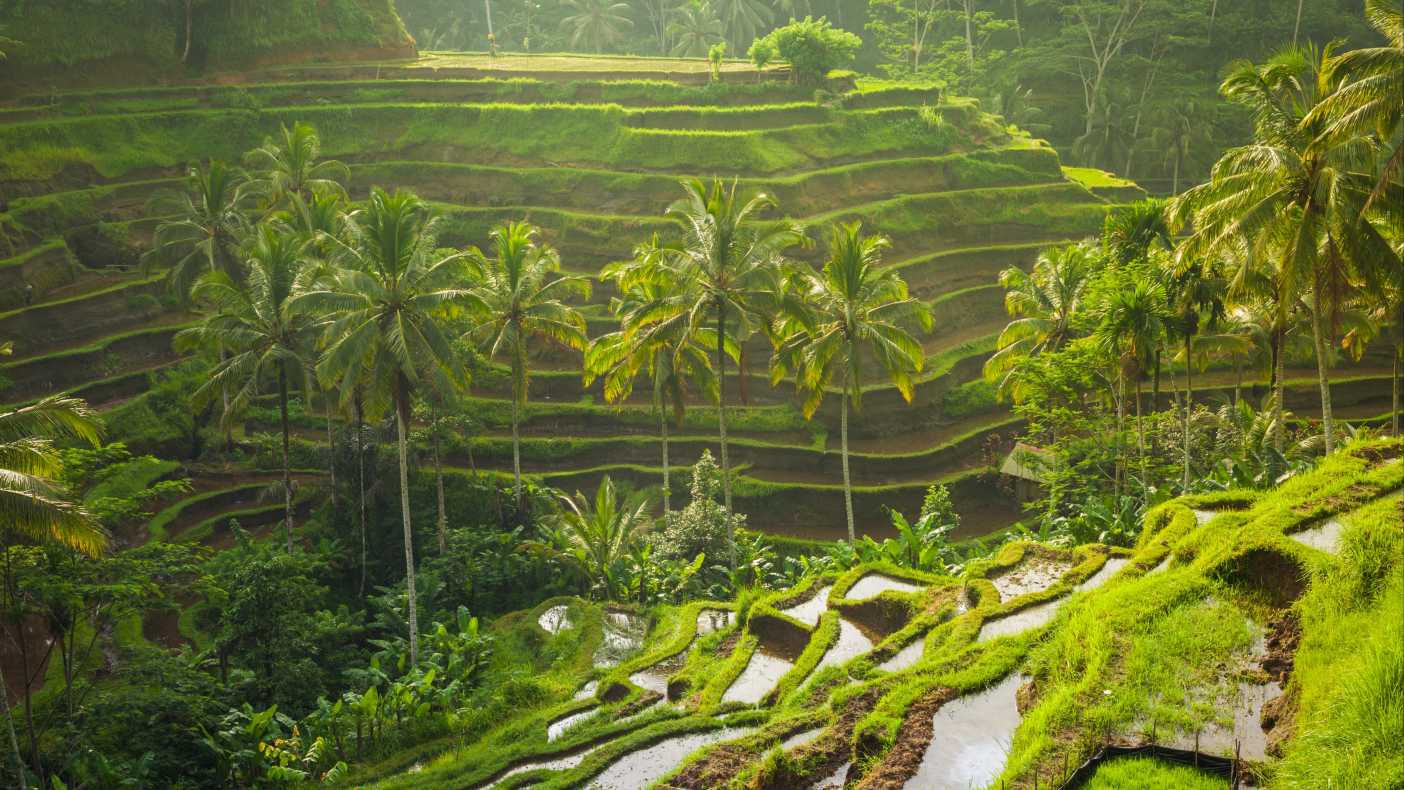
{"x": 813, "y": 48}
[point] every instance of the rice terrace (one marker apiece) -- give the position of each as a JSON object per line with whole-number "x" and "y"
{"x": 688, "y": 394}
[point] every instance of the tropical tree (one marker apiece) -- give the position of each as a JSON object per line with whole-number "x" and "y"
{"x": 204, "y": 226}
{"x": 665, "y": 351}
{"x": 1371, "y": 100}
{"x": 291, "y": 166}
{"x": 34, "y": 504}
{"x": 1285, "y": 194}
{"x": 1130, "y": 326}
{"x": 1043, "y": 304}
{"x": 742, "y": 20}
{"x": 1181, "y": 133}
{"x": 253, "y": 319}
{"x": 597, "y": 23}
{"x": 851, "y": 312}
{"x": 694, "y": 29}
{"x": 1196, "y": 301}
{"x": 597, "y": 538}
{"x": 384, "y": 326}
{"x": 730, "y": 261}
{"x": 521, "y": 296}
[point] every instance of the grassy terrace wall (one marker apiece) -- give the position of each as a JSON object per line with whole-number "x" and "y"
{"x": 591, "y": 150}
{"x": 75, "y": 42}
{"x": 1157, "y": 637}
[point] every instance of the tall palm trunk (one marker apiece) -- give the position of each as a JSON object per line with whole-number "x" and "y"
{"x": 721, "y": 427}
{"x": 287, "y": 472}
{"x": 847, "y": 483}
{"x": 1120, "y": 396}
{"x": 663, "y": 433}
{"x": 402, "y": 439}
{"x": 331, "y": 446}
{"x": 1323, "y": 375}
{"x": 361, "y": 486}
{"x": 10, "y": 728}
{"x": 439, "y": 486}
{"x": 1140, "y": 434}
{"x": 1189, "y": 404}
{"x": 1297, "y": 28}
{"x": 518, "y": 394}
{"x": 1279, "y": 371}
{"x": 1398, "y": 370}
{"x": 225, "y": 420}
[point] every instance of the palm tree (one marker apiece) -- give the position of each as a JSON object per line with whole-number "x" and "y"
{"x": 290, "y": 167}
{"x": 597, "y": 538}
{"x": 1372, "y": 100}
{"x": 384, "y": 333}
{"x": 34, "y": 505}
{"x": 1042, "y": 304}
{"x": 728, "y": 260}
{"x": 694, "y": 29}
{"x": 204, "y": 227}
{"x": 670, "y": 356}
{"x": 1196, "y": 296}
{"x": 599, "y": 23}
{"x": 254, "y": 321}
{"x": 852, "y": 310}
{"x": 743, "y": 20}
{"x": 1284, "y": 192}
{"x": 519, "y": 298}
{"x": 1178, "y": 136}
{"x": 1130, "y": 327}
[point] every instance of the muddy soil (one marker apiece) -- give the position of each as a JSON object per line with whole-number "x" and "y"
{"x": 913, "y": 739}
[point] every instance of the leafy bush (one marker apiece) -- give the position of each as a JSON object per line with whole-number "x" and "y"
{"x": 812, "y": 47}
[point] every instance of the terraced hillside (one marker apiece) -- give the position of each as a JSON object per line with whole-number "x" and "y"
{"x": 591, "y": 151}
{"x": 1263, "y": 625}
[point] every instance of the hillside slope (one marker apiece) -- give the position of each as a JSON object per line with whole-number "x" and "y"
{"x": 591, "y": 150}
{"x": 1265, "y": 625}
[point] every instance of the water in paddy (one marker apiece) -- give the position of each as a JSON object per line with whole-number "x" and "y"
{"x": 555, "y": 619}
{"x": 644, "y": 767}
{"x": 1326, "y": 537}
{"x": 710, "y": 620}
{"x": 799, "y": 739}
{"x": 970, "y": 739}
{"x": 833, "y": 781}
{"x": 586, "y": 691}
{"x": 1109, "y": 569}
{"x": 557, "y": 764}
{"x": 1161, "y": 567}
{"x": 1034, "y": 574}
{"x": 1020, "y": 621}
{"x": 875, "y": 584}
{"x": 1247, "y": 732}
{"x": 655, "y": 678}
{"x": 558, "y": 727}
{"x": 759, "y": 677}
{"x": 850, "y": 644}
{"x": 809, "y": 611}
{"x": 623, "y": 635}
{"x": 905, "y": 657}
{"x": 1203, "y": 517}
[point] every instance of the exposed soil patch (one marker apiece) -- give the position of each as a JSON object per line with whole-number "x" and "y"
{"x": 1335, "y": 503}
{"x": 1273, "y": 573}
{"x": 913, "y": 738}
{"x": 1378, "y": 454}
{"x": 1283, "y": 636}
{"x": 826, "y": 755}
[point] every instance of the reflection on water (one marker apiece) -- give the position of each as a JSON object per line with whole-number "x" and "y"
{"x": 1108, "y": 570}
{"x": 905, "y": 657}
{"x": 555, "y": 619}
{"x": 623, "y": 634}
{"x": 800, "y": 739}
{"x": 759, "y": 677}
{"x": 850, "y": 644}
{"x": 1020, "y": 621}
{"x": 970, "y": 739}
{"x": 558, "y": 727}
{"x": 1326, "y": 537}
{"x": 709, "y": 620}
{"x": 809, "y": 611}
{"x": 642, "y": 768}
{"x": 833, "y": 781}
{"x": 875, "y": 584}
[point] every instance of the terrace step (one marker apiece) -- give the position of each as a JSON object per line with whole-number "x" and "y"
{"x": 142, "y": 349}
